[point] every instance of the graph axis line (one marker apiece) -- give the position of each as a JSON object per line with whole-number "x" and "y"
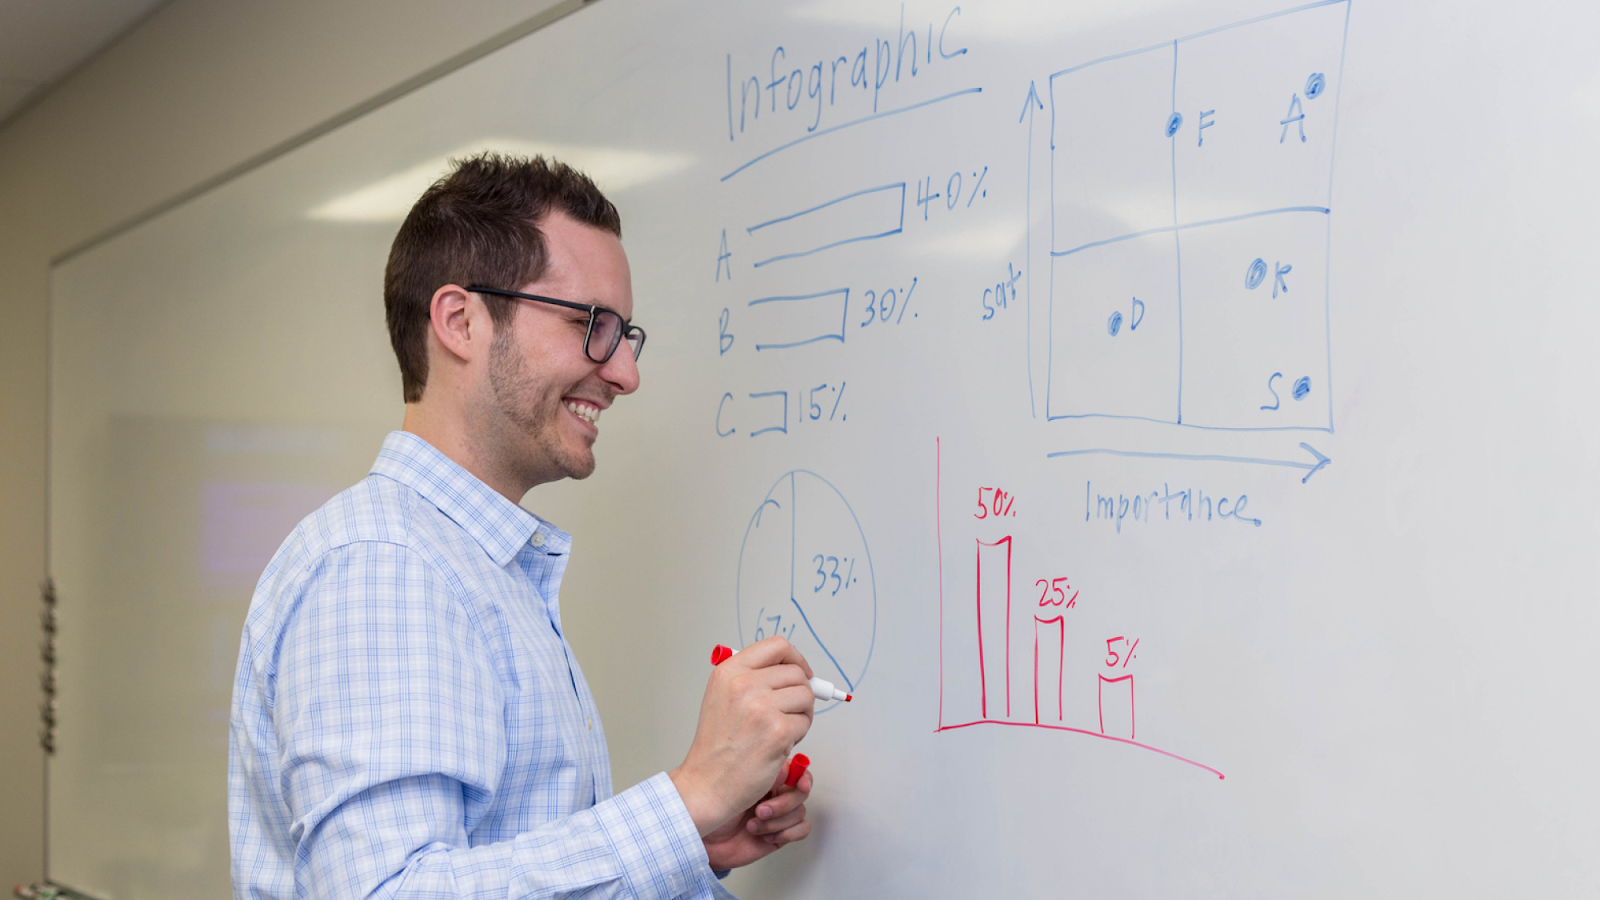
{"x": 1094, "y": 734}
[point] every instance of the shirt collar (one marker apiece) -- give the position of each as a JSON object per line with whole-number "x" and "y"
{"x": 498, "y": 525}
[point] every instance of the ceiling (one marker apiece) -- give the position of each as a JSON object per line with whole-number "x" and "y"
{"x": 42, "y": 41}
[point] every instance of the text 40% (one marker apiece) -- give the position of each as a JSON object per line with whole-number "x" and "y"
{"x": 953, "y": 191}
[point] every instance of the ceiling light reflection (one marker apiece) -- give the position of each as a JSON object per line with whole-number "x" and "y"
{"x": 388, "y": 200}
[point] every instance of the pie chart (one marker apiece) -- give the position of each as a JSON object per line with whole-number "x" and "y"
{"x": 805, "y": 573}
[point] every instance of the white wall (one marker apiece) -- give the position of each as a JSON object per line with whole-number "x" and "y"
{"x": 194, "y": 91}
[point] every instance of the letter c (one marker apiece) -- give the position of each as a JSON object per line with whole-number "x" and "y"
{"x": 945, "y": 27}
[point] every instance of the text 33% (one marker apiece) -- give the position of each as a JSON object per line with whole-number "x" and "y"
{"x": 828, "y": 571}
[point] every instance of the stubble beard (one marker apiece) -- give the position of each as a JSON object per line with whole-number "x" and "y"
{"x": 530, "y": 406}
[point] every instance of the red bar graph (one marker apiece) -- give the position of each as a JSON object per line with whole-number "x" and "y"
{"x": 994, "y": 627}
{"x": 1116, "y": 716}
{"x": 1049, "y": 657}
{"x": 994, "y": 620}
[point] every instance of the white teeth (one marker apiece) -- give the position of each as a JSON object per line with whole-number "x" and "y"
{"x": 585, "y": 412}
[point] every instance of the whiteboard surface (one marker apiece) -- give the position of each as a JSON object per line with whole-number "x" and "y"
{"x": 1193, "y": 508}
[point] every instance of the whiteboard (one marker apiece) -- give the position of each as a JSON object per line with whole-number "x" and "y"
{"x": 1174, "y": 421}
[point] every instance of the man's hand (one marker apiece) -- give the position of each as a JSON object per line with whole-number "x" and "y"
{"x": 778, "y": 819}
{"x": 757, "y": 706}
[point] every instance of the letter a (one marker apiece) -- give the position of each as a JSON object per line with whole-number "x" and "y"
{"x": 724, "y": 258}
{"x": 1295, "y": 117}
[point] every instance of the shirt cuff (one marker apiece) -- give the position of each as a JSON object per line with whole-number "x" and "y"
{"x": 718, "y": 892}
{"x": 652, "y": 834}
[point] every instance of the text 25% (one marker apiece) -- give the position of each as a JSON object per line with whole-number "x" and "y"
{"x": 1053, "y": 592}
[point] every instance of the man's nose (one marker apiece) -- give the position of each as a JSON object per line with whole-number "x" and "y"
{"x": 622, "y": 370}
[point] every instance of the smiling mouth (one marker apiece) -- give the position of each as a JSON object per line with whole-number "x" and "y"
{"x": 584, "y": 411}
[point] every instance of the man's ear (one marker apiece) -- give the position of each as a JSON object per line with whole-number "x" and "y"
{"x": 460, "y": 322}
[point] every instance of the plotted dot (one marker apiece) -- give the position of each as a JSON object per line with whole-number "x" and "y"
{"x": 1255, "y": 274}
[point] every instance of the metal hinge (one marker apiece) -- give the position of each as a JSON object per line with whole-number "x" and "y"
{"x": 47, "y": 656}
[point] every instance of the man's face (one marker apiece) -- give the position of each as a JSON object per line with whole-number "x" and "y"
{"x": 543, "y": 388}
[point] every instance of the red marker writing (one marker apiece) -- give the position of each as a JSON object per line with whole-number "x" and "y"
{"x": 797, "y": 767}
{"x": 824, "y": 690}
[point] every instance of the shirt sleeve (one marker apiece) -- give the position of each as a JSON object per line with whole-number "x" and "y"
{"x": 390, "y": 723}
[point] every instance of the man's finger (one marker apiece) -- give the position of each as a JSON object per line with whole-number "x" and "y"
{"x": 778, "y": 823}
{"x": 770, "y": 652}
{"x": 781, "y": 804}
{"x": 796, "y": 700}
{"x": 781, "y": 675}
{"x": 790, "y": 835}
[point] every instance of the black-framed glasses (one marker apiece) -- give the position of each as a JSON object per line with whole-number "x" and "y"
{"x": 606, "y": 332}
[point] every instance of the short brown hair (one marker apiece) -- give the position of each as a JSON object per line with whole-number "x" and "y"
{"x": 478, "y": 225}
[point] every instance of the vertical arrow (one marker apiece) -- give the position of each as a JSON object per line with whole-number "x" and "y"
{"x": 1029, "y": 106}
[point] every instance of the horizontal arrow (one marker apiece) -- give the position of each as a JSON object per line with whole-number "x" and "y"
{"x": 1313, "y": 466}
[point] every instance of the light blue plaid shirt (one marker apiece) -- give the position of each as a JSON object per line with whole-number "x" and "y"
{"x": 409, "y": 721}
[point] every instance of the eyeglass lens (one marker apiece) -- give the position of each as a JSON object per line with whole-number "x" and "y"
{"x": 607, "y": 333}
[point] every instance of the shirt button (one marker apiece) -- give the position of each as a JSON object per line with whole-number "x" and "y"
{"x": 590, "y": 720}
{"x": 538, "y": 539}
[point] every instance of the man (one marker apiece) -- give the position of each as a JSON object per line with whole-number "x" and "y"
{"x": 408, "y": 718}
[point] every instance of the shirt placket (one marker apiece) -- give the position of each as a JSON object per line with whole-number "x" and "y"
{"x": 547, "y": 560}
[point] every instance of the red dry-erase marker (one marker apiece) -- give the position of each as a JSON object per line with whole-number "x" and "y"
{"x": 797, "y": 767}
{"x": 823, "y": 690}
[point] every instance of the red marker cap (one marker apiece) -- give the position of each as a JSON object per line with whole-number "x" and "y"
{"x": 719, "y": 654}
{"x": 797, "y": 767}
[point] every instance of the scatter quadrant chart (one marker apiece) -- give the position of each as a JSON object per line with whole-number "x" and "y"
{"x": 1190, "y": 228}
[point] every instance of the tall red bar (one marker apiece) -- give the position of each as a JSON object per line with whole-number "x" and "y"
{"x": 994, "y": 621}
